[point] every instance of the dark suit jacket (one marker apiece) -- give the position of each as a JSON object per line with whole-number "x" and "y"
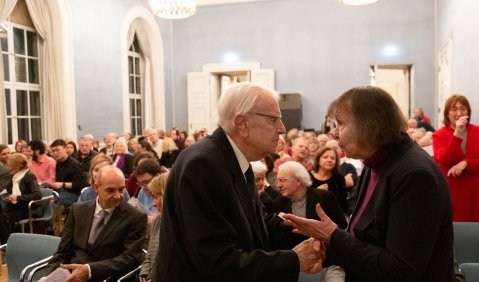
{"x": 116, "y": 251}
{"x": 314, "y": 196}
{"x": 405, "y": 232}
{"x": 210, "y": 229}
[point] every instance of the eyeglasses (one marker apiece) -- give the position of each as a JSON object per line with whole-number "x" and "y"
{"x": 275, "y": 120}
{"x": 144, "y": 182}
{"x": 455, "y": 110}
{"x": 281, "y": 180}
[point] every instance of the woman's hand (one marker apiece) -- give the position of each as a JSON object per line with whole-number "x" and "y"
{"x": 457, "y": 169}
{"x": 461, "y": 125}
{"x": 349, "y": 180}
{"x": 319, "y": 229}
{"x": 11, "y": 198}
{"x": 323, "y": 187}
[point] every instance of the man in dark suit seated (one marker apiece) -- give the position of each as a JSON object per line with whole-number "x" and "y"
{"x": 212, "y": 224}
{"x": 102, "y": 238}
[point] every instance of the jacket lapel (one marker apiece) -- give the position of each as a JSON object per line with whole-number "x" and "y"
{"x": 113, "y": 222}
{"x": 240, "y": 185}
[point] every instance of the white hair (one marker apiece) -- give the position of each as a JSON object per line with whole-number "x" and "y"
{"x": 298, "y": 171}
{"x": 240, "y": 98}
{"x": 122, "y": 141}
{"x": 258, "y": 167}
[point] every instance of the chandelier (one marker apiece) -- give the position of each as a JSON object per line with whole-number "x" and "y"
{"x": 357, "y": 2}
{"x": 173, "y": 9}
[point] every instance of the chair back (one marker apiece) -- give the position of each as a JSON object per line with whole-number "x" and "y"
{"x": 46, "y": 205}
{"x": 303, "y": 277}
{"x": 24, "y": 248}
{"x": 466, "y": 242}
{"x": 470, "y": 271}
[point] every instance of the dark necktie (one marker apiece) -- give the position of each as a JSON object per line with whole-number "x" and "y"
{"x": 251, "y": 184}
{"x": 97, "y": 226}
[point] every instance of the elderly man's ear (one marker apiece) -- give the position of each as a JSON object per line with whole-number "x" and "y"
{"x": 241, "y": 124}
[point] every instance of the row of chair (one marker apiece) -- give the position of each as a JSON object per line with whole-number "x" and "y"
{"x": 466, "y": 247}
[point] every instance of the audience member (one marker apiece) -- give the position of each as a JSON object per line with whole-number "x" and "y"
{"x": 21, "y": 189}
{"x": 145, "y": 146}
{"x": 456, "y": 149}
{"x": 69, "y": 178}
{"x": 157, "y": 187}
{"x": 42, "y": 165}
{"x": 72, "y": 149}
{"x": 170, "y": 152}
{"x": 322, "y": 138}
{"x": 133, "y": 146}
{"x": 175, "y": 136}
{"x": 420, "y": 116}
{"x": 217, "y": 210}
{"x": 325, "y": 176}
{"x": 121, "y": 158}
{"x": 132, "y": 185}
{"x": 401, "y": 228}
{"x": 156, "y": 141}
{"x": 109, "y": 140}
{"x": 146, "y": 170}
{"x": 97, "y": 163}
{"x": 85, "y": 153}
{"x": 265, "y": 191}
{"x": 20, "y": 145}
{"x": 101, "y": 238}
{"x": 299, "y": 151}
{"x": 190, "y": 140}
{"x": 4, "y": 154}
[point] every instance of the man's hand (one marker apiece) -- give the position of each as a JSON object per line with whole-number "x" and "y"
{"x": 349, "y": 180}
{"x": 319, "y": 229}
{"x": 457, "y": 169}
{"x": 79, "y": 272}
{"x": 311, "y": 254}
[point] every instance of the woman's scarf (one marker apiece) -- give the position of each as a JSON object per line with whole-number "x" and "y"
{"x": 16, "y": 182}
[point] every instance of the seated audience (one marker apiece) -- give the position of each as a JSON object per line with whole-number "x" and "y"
{"x": 190, "y": 140}
{"x": 97, "y": 163}
{"x": 133, "y": 146}
{"x": 109, "y": 140}
{"x": 42, "y": 165}
{"x": 326, "y": 176}
{"x": 20, "y": 145}
{"x": 299, "y": 152}
{"x": 145, "y": 146}
{"x": 4, "y": 154}
{"x": 322, "y": 138}
{"x": 22, "y": 189}
{"x": 121, "y": 158}
{"x": 69, "y": 178}
{"x": 157, "y": 187}
{"x": 101, "y": 238}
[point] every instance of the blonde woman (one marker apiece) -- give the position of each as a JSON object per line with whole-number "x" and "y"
{"x": 157, "y": 187}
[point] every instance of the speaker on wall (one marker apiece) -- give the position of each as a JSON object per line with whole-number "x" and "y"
{"x": 291, "y": 110}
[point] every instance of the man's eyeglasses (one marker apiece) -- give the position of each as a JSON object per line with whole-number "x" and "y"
{"x": 275, "y": 120}
{"x": 144, "y": 182}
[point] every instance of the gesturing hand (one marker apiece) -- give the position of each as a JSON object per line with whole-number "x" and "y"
{"x": 311, "y": 254}
{"x": 457, "y": 169}
{"x": 319, "y": 229}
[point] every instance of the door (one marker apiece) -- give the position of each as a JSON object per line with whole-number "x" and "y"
{"x": 198, "y": 101}
{"x": 444, "y": 88}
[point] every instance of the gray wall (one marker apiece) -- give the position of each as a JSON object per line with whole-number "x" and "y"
{"x": 318, "y": 48}
{"x": 458, "y": 20}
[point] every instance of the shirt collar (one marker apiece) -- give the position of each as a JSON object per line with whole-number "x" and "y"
{"x": 98, "y": 207}
{"x": 243, "y": 162}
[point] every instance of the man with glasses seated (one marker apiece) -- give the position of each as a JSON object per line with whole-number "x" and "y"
{"x": 145, "y": 171}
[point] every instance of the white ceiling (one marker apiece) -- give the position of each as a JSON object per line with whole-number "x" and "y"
{"x": 224, "y": 2}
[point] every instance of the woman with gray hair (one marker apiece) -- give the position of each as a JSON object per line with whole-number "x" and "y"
{"x": 401, "y": 226}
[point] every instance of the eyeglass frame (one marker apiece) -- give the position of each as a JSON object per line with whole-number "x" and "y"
{"x": 276, "y": 120}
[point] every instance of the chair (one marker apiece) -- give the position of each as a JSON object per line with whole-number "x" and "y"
{"x": 24, "y": 249}
{"x": 466, "y": 242}
{"x": 470, "y": 271}
{"x": 48, "y": 196}
{"x": 303, "y": 277}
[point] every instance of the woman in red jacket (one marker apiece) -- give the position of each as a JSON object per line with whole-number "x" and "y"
{"x": 456, "y": 149}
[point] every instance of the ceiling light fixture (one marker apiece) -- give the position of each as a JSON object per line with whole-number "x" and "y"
{"x": 173, "y": 9}
{"x": 357, "y": 2}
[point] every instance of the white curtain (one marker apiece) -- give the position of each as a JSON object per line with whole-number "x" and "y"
{"x": 6, "y": 7}
{"x": 51, "y": 79}
{"x": 138, "y": 27}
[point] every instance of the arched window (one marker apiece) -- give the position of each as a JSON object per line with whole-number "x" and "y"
{"x": 22, "y": 86}
{"x": 135, "y": 76}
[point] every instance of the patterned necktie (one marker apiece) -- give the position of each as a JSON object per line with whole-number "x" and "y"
{"x": 97, "y": 226}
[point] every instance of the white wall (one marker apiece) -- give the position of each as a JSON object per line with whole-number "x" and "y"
{"x": 459, "y": 20}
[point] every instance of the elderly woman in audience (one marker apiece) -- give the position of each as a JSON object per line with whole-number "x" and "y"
{"x": 133, "y": 146}
{"x": 121, "y": 158}
{"x": 325, "y": 175}
{"x": 157, "y": 187}
{"x": 265, "y": 191}
{"x": 456, "y": 149}
{"x": 22, "y": 189}
{"x": 190, "y": 140}
{"x": 98, "y": 162}
{"x": 401, "y": 228}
